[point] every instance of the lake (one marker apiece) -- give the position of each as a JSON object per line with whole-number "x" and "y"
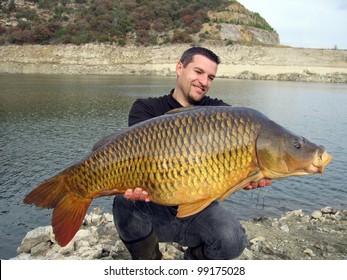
{"x": 48, "y": 122}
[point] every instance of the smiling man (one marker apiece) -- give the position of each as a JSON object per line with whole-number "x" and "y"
{"x": 213, "y": 233}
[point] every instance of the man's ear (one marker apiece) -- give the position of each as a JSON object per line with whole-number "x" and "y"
{"x": 179, "y": 67}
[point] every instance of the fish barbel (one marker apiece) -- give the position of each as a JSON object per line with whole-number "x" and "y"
{"x": 187, "y": 158}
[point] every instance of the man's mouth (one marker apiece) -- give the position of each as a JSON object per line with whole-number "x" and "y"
{"x": 199, "y": 89}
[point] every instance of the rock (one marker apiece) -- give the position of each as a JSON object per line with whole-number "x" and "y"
{"x": 316, "y": 214}
{"x": 256, "y": 243}
{"x": 309, "y": 238}
{"x": 294, "y": 213}
{"x": 35, "y": 237}
{"x": 328, "y": 210}
{"x": 309, "y": 252}
{"x": 285, "y": 228}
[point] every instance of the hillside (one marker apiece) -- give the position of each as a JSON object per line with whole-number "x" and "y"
{"x": 129, "y": 22}
{"x": 238, "y": 62}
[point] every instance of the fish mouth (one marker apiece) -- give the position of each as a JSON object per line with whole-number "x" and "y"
{"x": 320, "y": 162}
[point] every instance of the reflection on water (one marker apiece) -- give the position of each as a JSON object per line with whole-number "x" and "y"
{"x": 48, "y": 122}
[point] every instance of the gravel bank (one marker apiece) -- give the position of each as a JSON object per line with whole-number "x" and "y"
{"x": 322, "y": 235}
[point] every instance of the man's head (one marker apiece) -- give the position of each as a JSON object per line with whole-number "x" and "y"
{"x": 187, "y": 56}
{"x": 195, "y": 71}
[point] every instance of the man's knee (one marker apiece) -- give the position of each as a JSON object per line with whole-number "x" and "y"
{"x": 227, "y": 247}
{"x": 235, "y": 244}
{"x": 228, "y": 239}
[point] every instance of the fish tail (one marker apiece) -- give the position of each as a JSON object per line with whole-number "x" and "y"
{"x": 69, "y": 208}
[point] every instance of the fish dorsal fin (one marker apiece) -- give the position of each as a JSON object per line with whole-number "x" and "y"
{"x": 254, "y": 177}
{"x": 188, "y": 209}
{"x": 104, "y": 141}
{"x": 183, "y": 109}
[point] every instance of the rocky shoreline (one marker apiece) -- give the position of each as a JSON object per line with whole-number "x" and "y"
{"x": 238, "y": 62}
{"x": 322, "y": 235}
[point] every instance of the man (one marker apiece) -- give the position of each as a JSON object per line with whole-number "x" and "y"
{"x": 213, "y": 233}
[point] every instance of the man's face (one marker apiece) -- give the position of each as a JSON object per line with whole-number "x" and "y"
{"x": 195, "y": 80}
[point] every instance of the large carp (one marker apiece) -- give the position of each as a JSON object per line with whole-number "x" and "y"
{"x": 188, "y": 158}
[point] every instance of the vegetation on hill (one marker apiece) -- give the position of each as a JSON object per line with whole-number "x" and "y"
{"x": 143, "y": 22}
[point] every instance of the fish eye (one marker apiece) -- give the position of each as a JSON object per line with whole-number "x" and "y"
{"x": 297, "y": 144}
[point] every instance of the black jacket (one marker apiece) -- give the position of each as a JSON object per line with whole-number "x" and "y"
{"x": 144, "y": 109}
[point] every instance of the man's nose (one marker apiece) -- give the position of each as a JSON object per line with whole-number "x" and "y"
{"x": 203, "y": 80}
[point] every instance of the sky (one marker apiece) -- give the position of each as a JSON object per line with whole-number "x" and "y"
{"x": 305, "y": 23}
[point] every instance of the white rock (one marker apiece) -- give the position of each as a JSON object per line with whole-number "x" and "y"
{"x": 68, "y": 249}
{"x": 80, "y": 244}
{"x": 294, "y": 213}
{"x": 316, "y": 214}
{"x": 82, "y": 234}
{"x": 89, "y": 254}
{"x": 309, "y": 252}
{"x": 93, "y": 231}
{"x": 284, "y": 228}
{"x": 95, "y": 218}
{"x": 40, "y": 248}
{"x": 328, "y": 210}
{"x": 108, "y": 217}
{"x": 34, "y": 237}
{"x": 247, "y": 254}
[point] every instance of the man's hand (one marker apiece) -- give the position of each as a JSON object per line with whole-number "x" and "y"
{"x": 258, "y": 184}
{"x": 137, "y": 194}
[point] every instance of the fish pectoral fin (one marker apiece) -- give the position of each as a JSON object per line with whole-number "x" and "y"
{"x": 108, "y": 193}
{"x": 254, "y": 177}
{"x": 188, "y": 209}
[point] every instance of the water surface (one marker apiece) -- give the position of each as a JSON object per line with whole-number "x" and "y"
{"x": 48, "y": 122}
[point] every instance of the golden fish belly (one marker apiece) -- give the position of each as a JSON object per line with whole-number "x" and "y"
{"x": 177, "y": 159}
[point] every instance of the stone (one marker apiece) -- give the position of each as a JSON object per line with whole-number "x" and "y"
{"x": 328, "y": 210}
{"x": 82, "y": 234}
{"x": 247, "y": 254}
{"x": 95, "y": 218}
{"x": 284, "y": 228}
{"x": 34, "y": 237}
{"x": 108, "y": 217}
{"x": 66, "y": 250}
{"x": 40, "y": 248}
{"x": 269, "y": 240}
{"x": 80, "y": 244}
{"x": 294, "y": 213}
{"x": 309, "y": 252}
{"x": 257, "y": 242}
{"x": 316, "y": 214}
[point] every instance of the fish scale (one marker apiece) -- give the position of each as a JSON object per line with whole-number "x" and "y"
{"x": 188, "y": 158}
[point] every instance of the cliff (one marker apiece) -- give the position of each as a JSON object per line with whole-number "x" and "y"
{"x": 238, "y": 62}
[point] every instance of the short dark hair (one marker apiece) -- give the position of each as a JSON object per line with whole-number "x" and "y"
{"x": 187, "y": 56}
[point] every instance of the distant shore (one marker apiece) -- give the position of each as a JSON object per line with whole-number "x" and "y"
{"x": 238, "y": 62}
